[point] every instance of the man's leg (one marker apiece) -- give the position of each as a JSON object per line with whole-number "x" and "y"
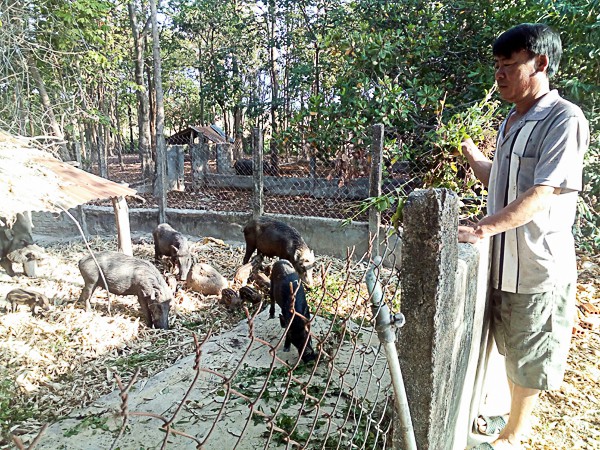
{"x": 522, "y": 404}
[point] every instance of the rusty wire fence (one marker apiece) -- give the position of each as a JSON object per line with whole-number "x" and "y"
{"x": 241, "y": 390}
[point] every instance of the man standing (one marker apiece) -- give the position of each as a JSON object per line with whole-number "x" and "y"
{"x": 533, "y": 184}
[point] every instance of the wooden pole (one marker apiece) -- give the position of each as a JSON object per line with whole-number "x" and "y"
{"x": 122, "y": 221}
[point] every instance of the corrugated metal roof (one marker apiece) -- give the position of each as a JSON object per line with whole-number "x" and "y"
{"x": 184, "y": 135}
{"x": 34, "y": 180}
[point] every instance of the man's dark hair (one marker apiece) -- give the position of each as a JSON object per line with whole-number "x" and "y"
{"x": 535, "y": 38}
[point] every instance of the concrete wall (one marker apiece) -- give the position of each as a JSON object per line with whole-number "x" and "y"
{"x": 324, "y": 236}
{"x": 317, "y": 187}
{"x": 444, "y": 291}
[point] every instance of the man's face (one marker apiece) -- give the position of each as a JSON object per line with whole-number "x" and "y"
{"x": 517, "y": 77}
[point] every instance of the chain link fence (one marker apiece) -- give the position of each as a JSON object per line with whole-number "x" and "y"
{"x": 214, "y": 174}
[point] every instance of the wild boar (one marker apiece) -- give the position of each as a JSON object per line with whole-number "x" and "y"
{"x": 270, "y": 237}
{"x": 170, "y": 242}
{"x": 127, "y": 275}
{"x": 288, "y": 292}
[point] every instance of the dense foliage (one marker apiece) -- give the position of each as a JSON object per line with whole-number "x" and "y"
{"x": 316, "y": 74}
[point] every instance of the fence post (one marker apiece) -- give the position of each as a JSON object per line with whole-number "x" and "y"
{"x": 225, "y": 159}
{"x": 122, "y": 222}
{"x": 160, "y": 183}
{"x": 432, "y": 343}
{"x": 257, "y": 149}
{"x": 200, "y": 155}
{"x": 175, "y": 168}
{"x": 375, "y": 185}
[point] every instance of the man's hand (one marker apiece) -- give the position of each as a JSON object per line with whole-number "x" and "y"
{"x": 467, "y": 234}
{"x": 468, "y": 147}
{"x": 481, "y": 165}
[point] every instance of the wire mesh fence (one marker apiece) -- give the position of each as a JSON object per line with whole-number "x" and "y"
{"x": 221, "y": 176}
{"x": 241, "y": 389}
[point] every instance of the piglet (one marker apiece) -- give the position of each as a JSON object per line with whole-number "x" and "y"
{"x": 32, "y": 299}
{"x": 170, "y": 242}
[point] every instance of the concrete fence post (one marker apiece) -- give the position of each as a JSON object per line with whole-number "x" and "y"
{"x": 375, "y": 185}
{"x": 257, "y": 151}
{"x": 427, "y": 345}
{"x": 225, "y": 159}
{"x": 175, "y": 168}
{"x": 442, "y": 347}
{"x": 200, "y": 154}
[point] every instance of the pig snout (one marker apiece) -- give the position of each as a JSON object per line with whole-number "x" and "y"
{"x": 306, "y": 275}
{"x": 159, "y": 312}
{"x": 42, "y": 302}
{"x": 309, "y": 354}
{"x": 300, "y": 337}
{"x": 185, "y": 264}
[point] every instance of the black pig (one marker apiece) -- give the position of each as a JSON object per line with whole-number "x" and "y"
{"x": 271, "y": 237}
{"x": 246, "y": 167}
{"x": 126, "y": 275}
{"x": 171, "y": 243}
{"x": 32, "y": 299}
{"x": 288, "y": 292}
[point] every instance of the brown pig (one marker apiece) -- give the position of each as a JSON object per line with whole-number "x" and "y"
{"x": 18, "y": 297}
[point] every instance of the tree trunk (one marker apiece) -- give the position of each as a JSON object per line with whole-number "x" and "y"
{"x": 45, "y": 99}
{"x": 160, "y": 118}
{"x": 118, "y": 138}
{"x": 102, "y": 165}
{"x": 151, "y": 101}
{"x": 274, "y": 86}
{"x": 142, "y": 96}
{"x": 201, "y": 83}
{"x": 130, "y": 118}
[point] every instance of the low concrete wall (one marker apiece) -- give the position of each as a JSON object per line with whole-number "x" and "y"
{"x": 324, "y": 236}
{"x": 355, "y": 189}
{"x": 444, "y": 291}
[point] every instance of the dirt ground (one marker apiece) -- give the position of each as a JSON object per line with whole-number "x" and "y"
{"x": 66, "y": 358}
{"x": 49, "y": 363}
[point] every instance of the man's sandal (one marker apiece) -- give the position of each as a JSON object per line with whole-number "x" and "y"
{"x": 494, "y": 425}
{"x": 483, "y": 446}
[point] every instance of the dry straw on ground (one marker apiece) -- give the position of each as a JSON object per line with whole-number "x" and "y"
{"x": 67, "y": 358}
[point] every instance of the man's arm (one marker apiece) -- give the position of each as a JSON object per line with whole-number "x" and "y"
{"x": 480, "y": 164}
{"x": 521, "y": 211}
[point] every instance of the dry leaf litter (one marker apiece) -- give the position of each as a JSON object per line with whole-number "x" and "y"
{"x": 66, "y": 358}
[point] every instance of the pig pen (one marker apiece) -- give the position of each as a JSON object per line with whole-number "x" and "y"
{"x": 65, "y": 365}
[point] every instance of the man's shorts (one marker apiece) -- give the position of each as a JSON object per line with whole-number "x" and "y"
{"x": 533, "y": 332}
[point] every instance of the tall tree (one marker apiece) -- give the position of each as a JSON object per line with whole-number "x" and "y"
{"x": 144, "y": 140}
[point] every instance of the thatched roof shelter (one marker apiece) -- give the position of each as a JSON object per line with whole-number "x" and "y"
{"x": 32, "y": 179}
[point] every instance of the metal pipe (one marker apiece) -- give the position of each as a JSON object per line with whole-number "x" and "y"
{"x": 384, "y": 325}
